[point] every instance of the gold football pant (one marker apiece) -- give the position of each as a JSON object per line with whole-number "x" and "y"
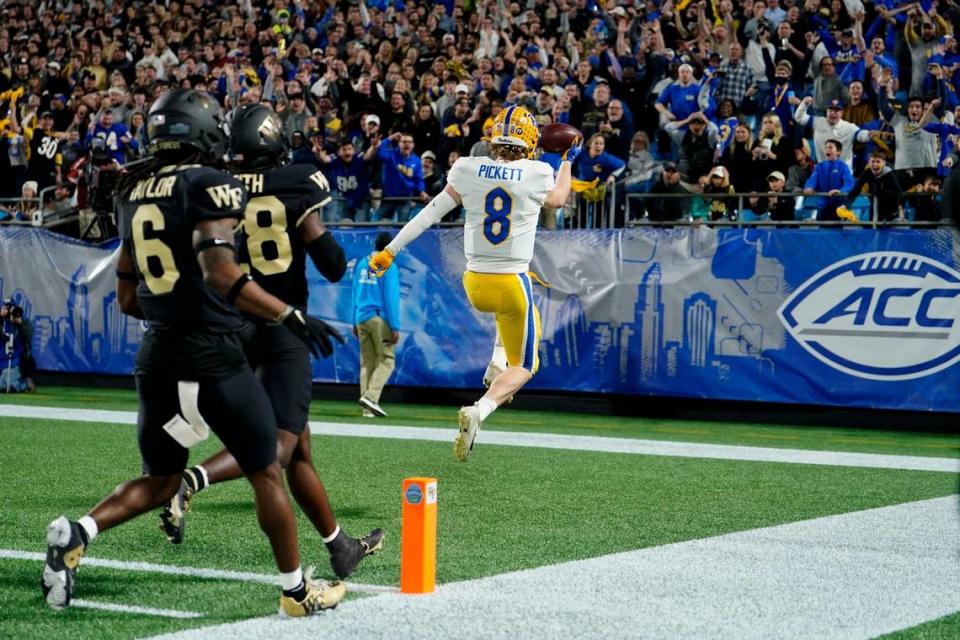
{"x": 510, "y": 297}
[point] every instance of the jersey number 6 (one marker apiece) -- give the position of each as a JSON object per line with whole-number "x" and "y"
{"x": 163, "y": 275}
{"x": 496, "y": 224}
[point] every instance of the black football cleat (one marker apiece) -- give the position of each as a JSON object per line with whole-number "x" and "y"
{"x": 65, "y": 547}
{"x": 344, "y": 562}
{"x": 173, "y": 517}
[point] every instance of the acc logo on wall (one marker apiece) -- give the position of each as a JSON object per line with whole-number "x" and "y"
{"x": 884, "y": 316}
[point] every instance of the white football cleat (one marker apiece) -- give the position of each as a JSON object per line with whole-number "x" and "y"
{"x": 469, "y": 419}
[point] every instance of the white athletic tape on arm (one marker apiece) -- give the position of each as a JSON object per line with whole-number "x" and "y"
{"x": 441, "y": 205}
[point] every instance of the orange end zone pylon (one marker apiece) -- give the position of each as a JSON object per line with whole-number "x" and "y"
{"x": 418, "y": 541}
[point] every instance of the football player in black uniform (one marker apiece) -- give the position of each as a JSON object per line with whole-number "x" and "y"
{"x": 177, "y": 269}
{"x": 280, "y": 227}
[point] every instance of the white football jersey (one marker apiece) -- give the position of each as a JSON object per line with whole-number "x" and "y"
{"x": 502, "y": 201}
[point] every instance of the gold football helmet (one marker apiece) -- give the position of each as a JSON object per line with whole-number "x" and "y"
{"x": 517, "y": 127}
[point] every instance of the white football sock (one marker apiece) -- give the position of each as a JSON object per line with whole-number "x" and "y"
{"x": 333, "y": 536}
{"x": 487, "y": 406}
{"x": 90, "y": 527}
{"x": 292, "y": 580}
{"x": 203, "y": 472}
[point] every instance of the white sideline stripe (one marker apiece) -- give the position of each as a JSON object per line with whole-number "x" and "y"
{"x": 852, "y": 576}
{"x": 554, "y": 441}
{"x": 126, "y": 608}
{"x": 192, "y": 572}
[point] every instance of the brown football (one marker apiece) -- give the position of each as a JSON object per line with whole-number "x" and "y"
{"x": 558, "y": 137}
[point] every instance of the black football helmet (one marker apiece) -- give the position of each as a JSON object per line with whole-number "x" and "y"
{"x": 256, "y": 137}
{"x": 184, "y": 119}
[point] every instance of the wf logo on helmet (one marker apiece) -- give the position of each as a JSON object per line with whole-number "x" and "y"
{"x": 884, "y": 316}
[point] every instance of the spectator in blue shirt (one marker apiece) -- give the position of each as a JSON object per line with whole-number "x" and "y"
{"x": 597, "y": 163}
{"x": 947, "y": 135}
{"x": 679, "y": 100}
{"x": 349, "y": 176}
{"x": 831, "y": 176}
{"x": 402, "y": 177}
{"x": 376, "y": 324}
{"x": 115, "y": 135}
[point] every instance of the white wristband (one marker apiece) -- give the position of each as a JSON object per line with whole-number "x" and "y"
{"x": 283, "y": 315}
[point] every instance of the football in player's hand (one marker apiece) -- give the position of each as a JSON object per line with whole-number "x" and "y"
{"x": 558, "y": 137}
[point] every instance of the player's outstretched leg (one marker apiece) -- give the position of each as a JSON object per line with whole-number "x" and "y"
{"x": 497, "y": 365}
{"x": 345, "y": 552}
{"x": 67, "y": 540}
{"x": 504, "y": 387}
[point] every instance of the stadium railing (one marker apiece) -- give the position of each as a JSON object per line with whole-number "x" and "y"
{"x": 805, "y": 209}
{"x": 13, "y": 205}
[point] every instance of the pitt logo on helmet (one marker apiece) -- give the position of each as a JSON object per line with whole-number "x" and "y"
{"x": 887, "y": 315}
{"x": 517, "y": 127}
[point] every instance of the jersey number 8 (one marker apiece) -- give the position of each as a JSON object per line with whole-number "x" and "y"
{"x": 265, "y": 221}
{"x": 497, "y": 207}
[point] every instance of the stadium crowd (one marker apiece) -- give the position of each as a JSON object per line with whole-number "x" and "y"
{"x": 691, "y": 97}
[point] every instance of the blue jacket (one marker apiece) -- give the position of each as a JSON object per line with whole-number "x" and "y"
{"x": 829, "y": 175}
{"x": 944, "y": 131}
{"x": 373, "y": 296}
{"x": 401, "y": 176}
{"x": 605, "y": 164}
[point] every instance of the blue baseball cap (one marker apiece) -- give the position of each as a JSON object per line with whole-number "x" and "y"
{"x": 835, "y": 104}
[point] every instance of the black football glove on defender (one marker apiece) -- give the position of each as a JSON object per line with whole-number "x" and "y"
{"x": 314, "y": 331}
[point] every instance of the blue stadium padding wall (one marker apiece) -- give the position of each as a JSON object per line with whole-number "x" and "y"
{"x": 859, "y": 317}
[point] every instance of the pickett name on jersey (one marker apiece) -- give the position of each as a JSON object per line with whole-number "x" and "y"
{"x": 496, "y": 172}
{"x": 153, "y": 188}
{"x": 254, "y": 182}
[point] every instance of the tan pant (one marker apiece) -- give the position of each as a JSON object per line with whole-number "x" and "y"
{"x": 376, "y": 356}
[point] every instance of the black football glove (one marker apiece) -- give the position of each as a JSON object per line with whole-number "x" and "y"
{"x": 314, "y": 331}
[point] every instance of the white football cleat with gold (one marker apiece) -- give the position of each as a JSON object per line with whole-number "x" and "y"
{"x": 469, "y": 421}
{"x": 321, "y": 595}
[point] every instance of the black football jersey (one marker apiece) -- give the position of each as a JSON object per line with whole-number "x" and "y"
{"x": 157, "y": 218}
{"x": 269, "y": 242}
{"x": 44, "y": 149}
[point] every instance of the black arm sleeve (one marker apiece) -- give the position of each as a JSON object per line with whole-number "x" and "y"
{"x": 328, "y": 257}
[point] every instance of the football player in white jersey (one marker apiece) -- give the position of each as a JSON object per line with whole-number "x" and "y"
{"x": 502, "y": 196}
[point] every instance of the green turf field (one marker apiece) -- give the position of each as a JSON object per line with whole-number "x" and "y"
{"x": 579, "y": 504}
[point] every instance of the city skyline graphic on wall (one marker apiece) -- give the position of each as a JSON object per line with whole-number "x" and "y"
{"x": 669, "y": 330}
{"x": 91, "y": 331}
{"x": 647, "y": 330}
